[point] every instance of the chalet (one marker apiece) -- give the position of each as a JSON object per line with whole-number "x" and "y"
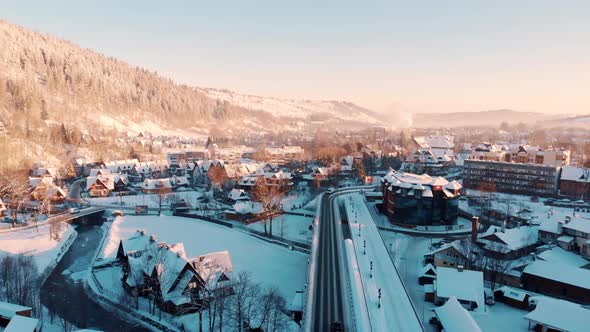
{"x": 52, "y": 192}
{"x": 465, "y": 285}
{"x": 238, "y": 195}
{"x": 46, "y": 172}
{"x": 245, "y": 211}
{"x": 176, "y": 281}
{"x": 121, "y": 166}
{"x": 156, "y": 186}
{"x": 34, "y": 182}
{"x": 203, "y": 166}
{"x": 449, "y": 255}
{"x": 508, "y": 244}
{"x": 558, "y": 315}
{"x": 453, "y": 317}
{"x": 2, "y": 208}
{"x": 557, "y": 279}
{"x": 346, "y": 164}
{"x": 99, "y": 186}
{"x": 179, "y": 182}
{"x": 99, "y": 171}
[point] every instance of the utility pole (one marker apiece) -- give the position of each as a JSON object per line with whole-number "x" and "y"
{"x": 379, "y": 304}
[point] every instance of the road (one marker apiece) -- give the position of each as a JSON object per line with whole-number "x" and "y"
{"x": 328, "y": 291}
{"x": 67, "y": 297}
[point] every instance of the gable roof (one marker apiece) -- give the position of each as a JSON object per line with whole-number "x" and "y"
{"x": 559, "y": 255}
{"x": 465, "y": 285}
{"x": 22, "y": 324}
{"x": 560, "y": 272}
{"x": 511, "y": 239}
{"x": 572, "y": 173}
{"x": 454, "y": 318}
{"x": 561, "y": 315}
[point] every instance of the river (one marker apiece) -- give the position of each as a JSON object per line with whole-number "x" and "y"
{"x": 67, "y": 298}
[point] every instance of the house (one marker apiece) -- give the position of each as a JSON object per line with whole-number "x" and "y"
{"x": 121, "y": 166}
{"x": 2, "y": 208}
{"x": 180, "y": 207}
{"x": 558, "y": 255}
{"x": 238, "y": 195}
{"x": 176, "y": 281}
{"x": 180, "y": 181}
{"x": 156, "y": 186}
{"x": 99, "y": 186}
{"x": 412, "y": 199}
{"x": 508, "y": 244}
{"x": 453, "y": 317}
{"x": 449, "y": 255}
{"x": 465, "y": 285}
{"x": 550, "y": 230}
{"x": 427, "y": 274}
{"x": 557, "y": 279}
{"x": 48, "y": 191}
{"x": 579, "y": 228}
{"x": 99, "y": 171}
{"x": 558, "y": 315}
{"x": 245, "y": 211}
{"x": 574, "y": 182}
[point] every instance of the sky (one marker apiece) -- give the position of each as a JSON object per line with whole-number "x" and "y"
{"x": 409, "y": 56}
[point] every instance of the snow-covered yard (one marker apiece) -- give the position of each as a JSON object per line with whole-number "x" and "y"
{"x": 151, "y": 200}
{"x": 288, "y": 226}
{"x": 269, "y": 264}
{"x": 36, "y": 243}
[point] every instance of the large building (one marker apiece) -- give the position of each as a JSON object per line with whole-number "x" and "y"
{"x": 420, "y": 199}
{"x": 574, "y": 182}
{"x": 523, "y": 154}
{"x": 528, "y": 179}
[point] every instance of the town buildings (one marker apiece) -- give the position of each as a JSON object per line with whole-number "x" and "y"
{"x": 528, "y": 179}
{"x": 420, "y": 199}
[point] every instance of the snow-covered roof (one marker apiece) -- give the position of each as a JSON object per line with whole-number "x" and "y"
{"x": 454, "y": 318}
{"x": 560, "y": 315}
{"x": 513, "y": 293}
{"x": 560, "y": 272}
{"x": 428, "y": 270}
{"x": 107, "y": 181}
{"x": 212, "y": 266}
{"x": 559, "y": 255}
{"x": 34, "y": 182}
{"x": 22, "y": 324}
{"x": 464, "y": 285}
{"x": 156, "y": 183}
{"x": 453, "y": 185}
{"x": 99, "y": 171}
{"x": 455, "y": 244}
{"x": 512, "y": 238}
{"x": 8, "y": 310}
{"x": 435, "y": 141}
{"x": 139, "y": 241}
{"x": 237, "y": 194}
{"x": 572, "y": 173}
{"x": 245, "y": 207}
{"x": 579, "y": 224}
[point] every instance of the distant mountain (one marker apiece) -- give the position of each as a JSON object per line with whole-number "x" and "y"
{"x": 44, "y": 80}
{"x": 479, "y": 119}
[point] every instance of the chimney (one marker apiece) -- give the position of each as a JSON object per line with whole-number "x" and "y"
{"x": 460, "y": 268}
{"x": 474, "y": 228}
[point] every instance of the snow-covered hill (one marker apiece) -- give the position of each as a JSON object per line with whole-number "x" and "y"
{"x": 293, "y": 108}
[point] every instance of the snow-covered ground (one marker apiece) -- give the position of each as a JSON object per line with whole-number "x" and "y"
{"x": 288, "y": 226}
{"x": 269, "y": 264}
{"x": 520, "y": 205}
{"x": 151, "y": 200}
{"x": 36, "y": 243}
{"x": 396, "y": 311}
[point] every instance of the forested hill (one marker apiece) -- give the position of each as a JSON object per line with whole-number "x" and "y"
{"x": 45, "y": 80}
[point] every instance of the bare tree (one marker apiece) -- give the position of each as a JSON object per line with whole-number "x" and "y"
{"x": 273, "y": 316}
{"x": 271, "y": 197}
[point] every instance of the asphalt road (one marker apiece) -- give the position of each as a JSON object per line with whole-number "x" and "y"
{"x": 329, "y": 301}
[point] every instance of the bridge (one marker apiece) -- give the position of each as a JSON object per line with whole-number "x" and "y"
{"x": 334, "y": 296}
{"x": 82, "y": 215}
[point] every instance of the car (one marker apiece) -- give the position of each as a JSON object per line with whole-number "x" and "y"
{"x": 337, "y": 327}
{"x": 73, "y": 210}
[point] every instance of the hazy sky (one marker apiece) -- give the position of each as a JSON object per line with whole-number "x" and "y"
{"x": 427, "y": 56}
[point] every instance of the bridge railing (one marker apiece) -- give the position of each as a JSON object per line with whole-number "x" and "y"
{"x": 308, "y": 308}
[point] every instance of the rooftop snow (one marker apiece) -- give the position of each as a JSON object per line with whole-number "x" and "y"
{"x": 560, "y": 314}
{"x": 560, "y": 272}
{"x": 454, "y": 318}
{"x": 465, "y": 285}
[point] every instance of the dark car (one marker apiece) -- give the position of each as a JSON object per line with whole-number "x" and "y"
{"x": 337, "y": 327}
